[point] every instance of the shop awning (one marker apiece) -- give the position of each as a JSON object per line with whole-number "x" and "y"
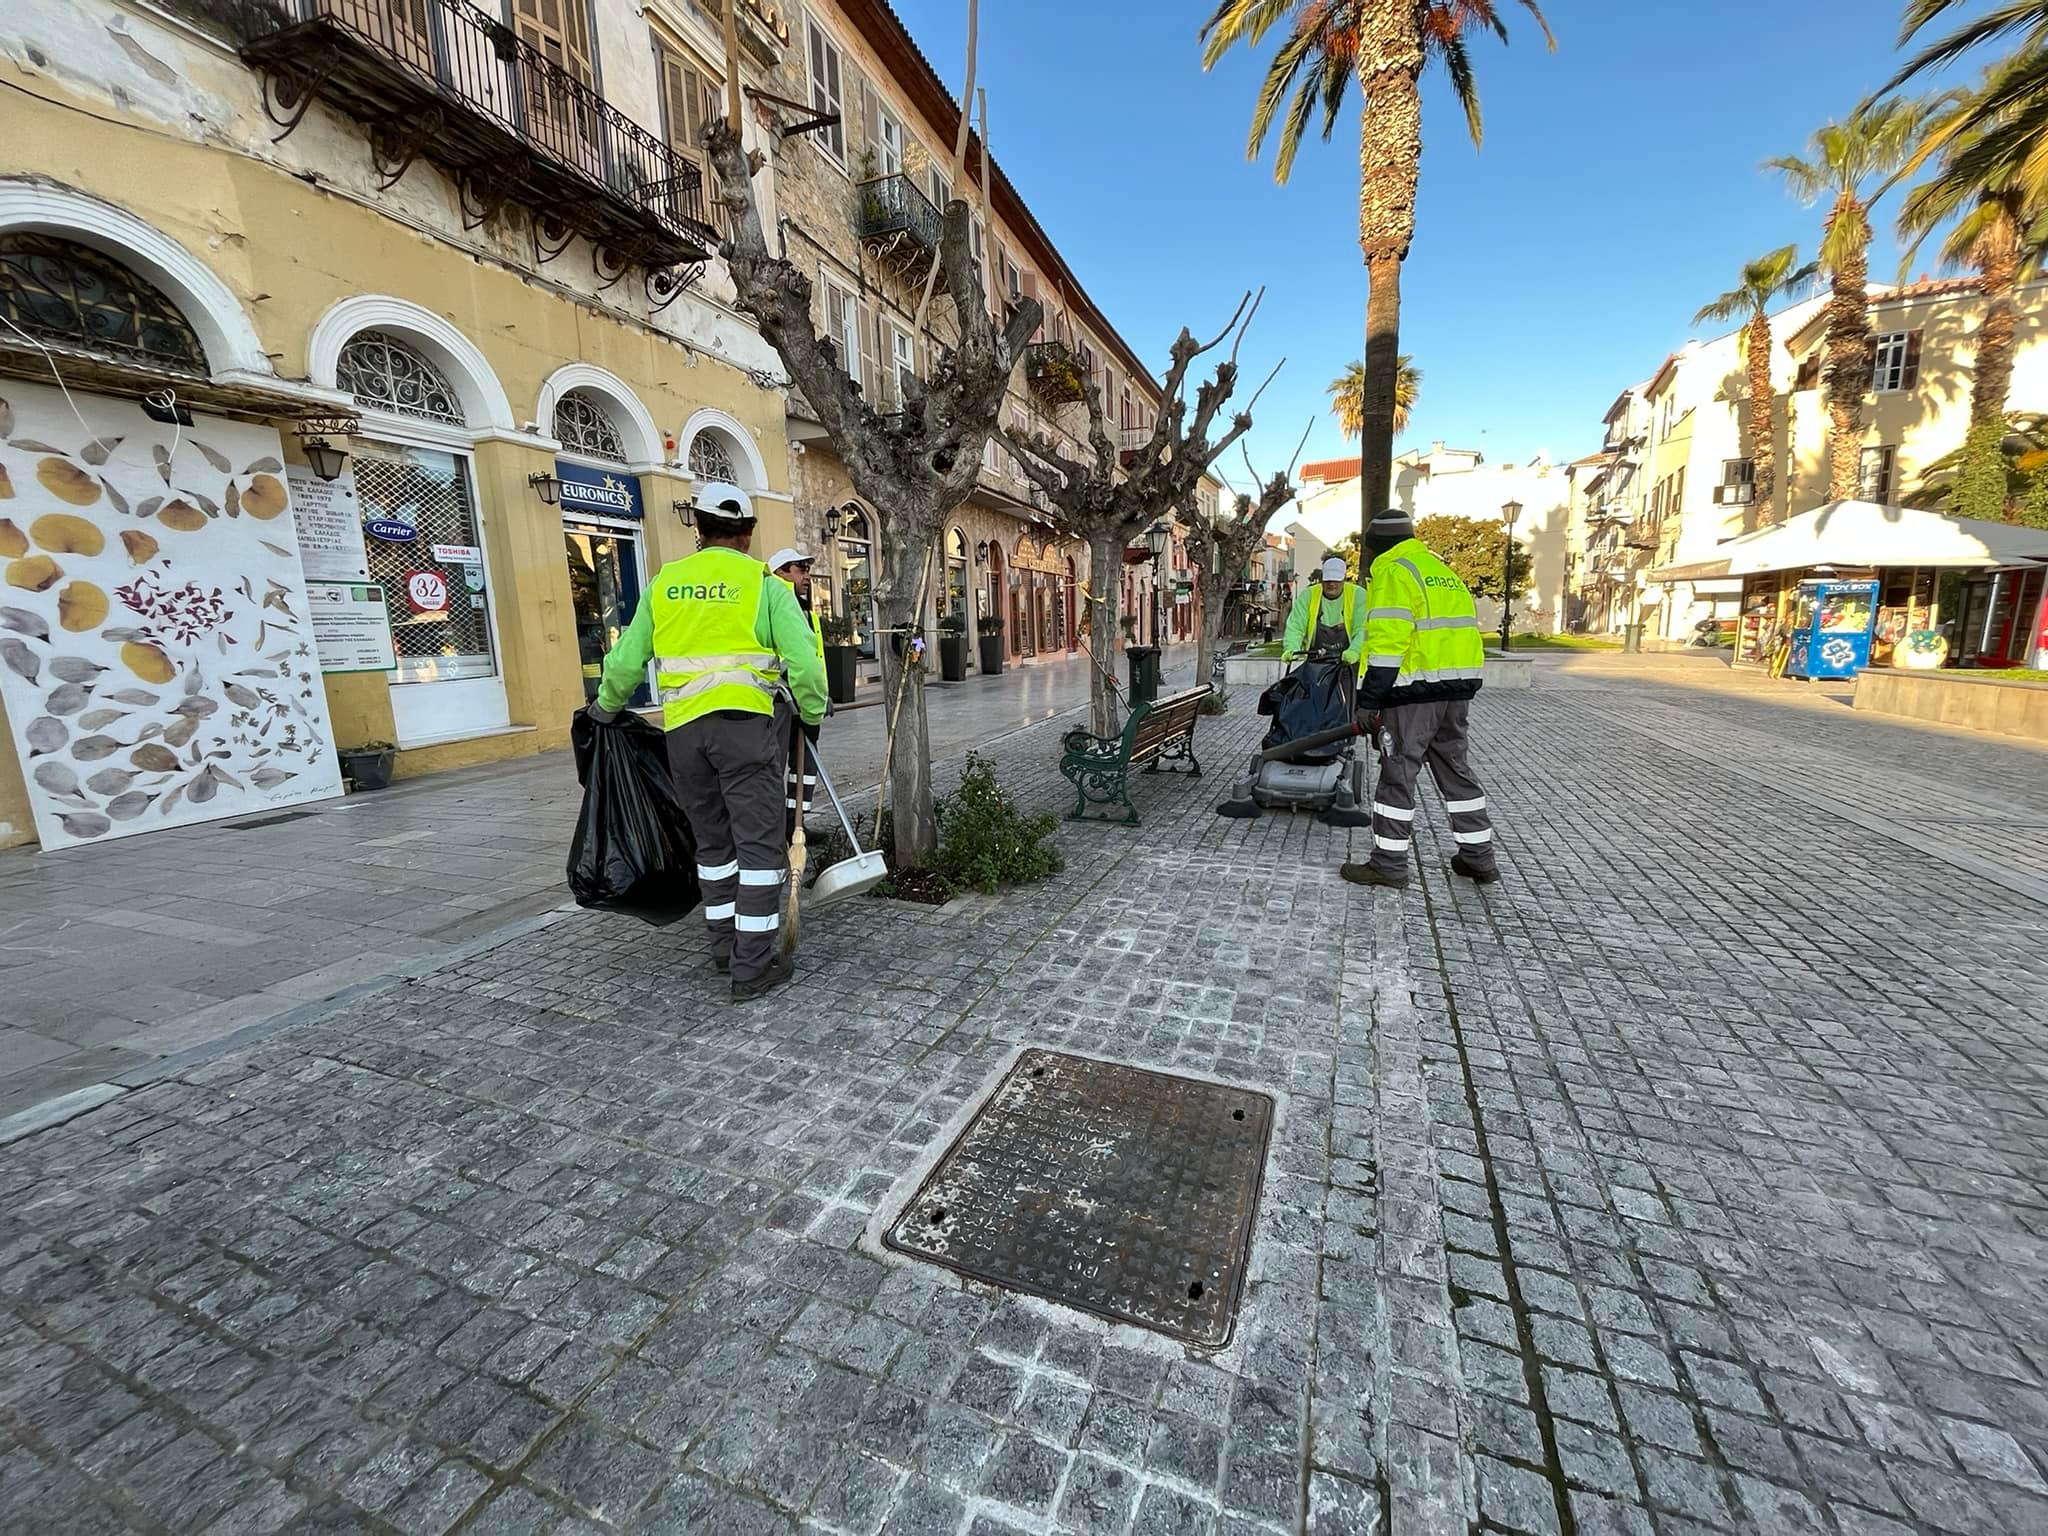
{"x": 1864, "y": 535}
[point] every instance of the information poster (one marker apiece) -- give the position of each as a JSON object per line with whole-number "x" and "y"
{"x": 330, "y": 526}
{"x": 351, "y": 626}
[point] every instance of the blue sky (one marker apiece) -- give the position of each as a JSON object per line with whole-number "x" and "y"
{"x": 1616, "y": 193}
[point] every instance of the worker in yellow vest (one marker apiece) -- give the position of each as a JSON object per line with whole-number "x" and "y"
{"x": 1328, "y": 616}
{"x": 794, "y": 567}
{"x": 723, "y": 635}
{"x": 1423, "y": 663}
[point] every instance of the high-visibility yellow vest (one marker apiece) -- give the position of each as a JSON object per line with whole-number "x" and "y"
{"x": 1309, "y": 612}
{"x": 1421, "y": 618}
{"x": 707, "y": 655}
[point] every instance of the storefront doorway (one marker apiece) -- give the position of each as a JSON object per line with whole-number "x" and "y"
{"x": 424, "y": 544}
{"x": 2002, "y": 619}
{"x": 605, "y": 579}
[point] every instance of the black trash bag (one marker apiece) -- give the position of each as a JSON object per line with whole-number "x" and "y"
{"x": 1315, "y": 696}
{"x": 632, "y": 850}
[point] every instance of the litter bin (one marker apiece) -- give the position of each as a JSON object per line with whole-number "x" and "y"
{"x": 1632, "y": 637}
{"x": 1144, "y": 661}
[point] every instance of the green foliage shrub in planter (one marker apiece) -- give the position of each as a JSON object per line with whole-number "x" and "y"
{"x": 986, "y": 842}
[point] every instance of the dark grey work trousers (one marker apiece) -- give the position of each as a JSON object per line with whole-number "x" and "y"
{"x": 1436, "y": 733}
{"x": 728, "y": 772}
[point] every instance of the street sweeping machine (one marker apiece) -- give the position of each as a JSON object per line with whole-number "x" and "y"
{"x": 1308, "y": 760}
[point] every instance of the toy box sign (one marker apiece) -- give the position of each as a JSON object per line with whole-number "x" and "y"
{"x": 603, "y": 492}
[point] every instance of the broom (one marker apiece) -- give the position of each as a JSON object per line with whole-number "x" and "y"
{"x": 798, "y": 853}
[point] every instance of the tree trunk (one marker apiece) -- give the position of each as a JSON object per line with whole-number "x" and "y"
{"x": 1105, "y": 585}
{"x": 1982, "y": 490}
{"x": 1214, "y": 587}
{"x": 1848, "y": 370}
{"x": 914, "y": 826}
{"x": 1763, "y": 447}
{"x": 1389, "y": 167}
{"x": 1382, "y": 371}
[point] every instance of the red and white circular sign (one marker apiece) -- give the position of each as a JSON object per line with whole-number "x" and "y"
{"x": 427, "y": 591}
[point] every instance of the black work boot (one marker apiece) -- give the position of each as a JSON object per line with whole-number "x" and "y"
{"x": 780, "y": 969}
{"x": 1478, "y": 875}
{"x": 722, "y": 964}
{"x": 1372, "y": 874}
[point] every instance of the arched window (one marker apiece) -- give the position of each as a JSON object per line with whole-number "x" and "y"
{"x": 956, "y": 577}
{"x": 583, "y": 426}
{"x": 711, "y": 457}
{"x": 71, "y": 295}
{"x": 380, "y": 369}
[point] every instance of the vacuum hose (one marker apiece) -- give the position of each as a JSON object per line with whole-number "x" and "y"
{"x": 1359, "y": 725}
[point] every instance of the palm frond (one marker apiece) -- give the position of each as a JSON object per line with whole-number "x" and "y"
{"x": 2014, "y": 16}
{"x": 1280, "y": 78}
{"x": 1240, "y": 21}
{"x": 1298, "y": 114}
{"x": 1732, "y": 303}
{"x": 1803, "y": 179}
{"x": 1458, "y": 66}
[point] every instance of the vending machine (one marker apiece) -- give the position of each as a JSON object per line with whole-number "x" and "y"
{"x": 1831, "y": 628}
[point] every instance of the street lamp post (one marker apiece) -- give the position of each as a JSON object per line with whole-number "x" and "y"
{"x": 1508, "y": 513}
{"x": 1156, "y": 536}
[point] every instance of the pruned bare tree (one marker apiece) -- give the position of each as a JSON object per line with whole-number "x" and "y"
{"x": 1113, "y": 493}
{"x": 1220, "y": 548}
{"x": 914, "y": 466}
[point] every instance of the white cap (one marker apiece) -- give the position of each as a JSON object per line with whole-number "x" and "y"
{"x": 783, "y": 557}
{"x": 715, "y": 498}
{"x": 1334, "y": 569}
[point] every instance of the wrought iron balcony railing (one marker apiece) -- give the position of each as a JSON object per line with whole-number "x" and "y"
{"x": 1053, "y": 373}
{"x": 449, "y": 81}
{"x": 900, "y": 221}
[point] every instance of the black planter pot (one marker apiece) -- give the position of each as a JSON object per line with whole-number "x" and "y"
{"x": 840, "y": 664}
{"x": 368, "y": 768}
{"x": 992, "y": 654}
{"x": 952, "y": 656}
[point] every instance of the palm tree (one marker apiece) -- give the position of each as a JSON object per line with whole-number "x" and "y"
{"x": 1347, "y": 396}
{"x": 2012, "y": 114}
{"x": 1384, "y": 44}
{"x": 1842, "y": 159}
{"x": 2020, "y": 463}
{"x": 1769, "y": 278}
{"x": 2000, "y": 227}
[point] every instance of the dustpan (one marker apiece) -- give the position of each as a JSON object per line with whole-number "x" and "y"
{"x": 848, "y": 877}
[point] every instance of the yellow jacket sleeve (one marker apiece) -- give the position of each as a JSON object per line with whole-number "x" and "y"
{"x": 1354, "y": 624}
{"x": 1391, "y": 598}
{"x": 1300, "y": 627}
{"x": 783, "y": 628}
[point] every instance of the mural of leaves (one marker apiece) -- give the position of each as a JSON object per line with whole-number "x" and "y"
{"x": 154, "y": 661}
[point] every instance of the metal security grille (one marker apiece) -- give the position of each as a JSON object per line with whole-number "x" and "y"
{"x": 427, "y": 492}
{"x": 583, "y": 427}
{"x": 68, "y": 294}
{"x": 710, "y": 459}
{"x": 379, "y": 369}
{"x": 1123, "y": 1192}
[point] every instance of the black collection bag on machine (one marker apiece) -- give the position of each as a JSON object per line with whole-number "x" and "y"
{"x": 632, "y": 849}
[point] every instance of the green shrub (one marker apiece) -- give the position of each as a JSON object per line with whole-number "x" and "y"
{"x": 985, "y": 842}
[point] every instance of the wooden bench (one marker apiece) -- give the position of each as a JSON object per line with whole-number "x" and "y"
{"x": 1098, "y": 766}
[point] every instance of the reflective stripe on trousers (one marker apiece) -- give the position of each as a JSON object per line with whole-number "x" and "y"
{"x": 1436, "y": 733}
{"x": 728, "y": 775}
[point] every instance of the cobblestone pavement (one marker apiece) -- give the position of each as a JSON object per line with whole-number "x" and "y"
{"x": 1690, "y": 1179}
{"x": 114, "y": 958}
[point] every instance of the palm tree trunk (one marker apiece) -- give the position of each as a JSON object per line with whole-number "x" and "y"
{"x": 1847, "y": 371}
{"x": 1763, "y": 447}
{"x": 1981, "y": 491}
{"x": 1389, "y": 168}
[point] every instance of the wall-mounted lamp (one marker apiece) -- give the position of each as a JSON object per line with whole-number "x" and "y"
{"x": 313, "y": 433}
{"x": 687, "y": 511}
{"x": 981, "y": 552}
{"x": 548, "y": 487}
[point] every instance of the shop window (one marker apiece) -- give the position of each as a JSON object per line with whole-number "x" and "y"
{"x": 1895, "y": 362}
{"x": 382, "y": 371}
{"x": 70, "y": 295}
{"x": 434, "y": 580}
{"x": 955, "y": 600}
{"x": 1809, "y": 373}
{"x": 857, "y": 576}
{"x": 1876, "y": 473}
{"x": 583, "y": 426}
{"x": 711, "y": 457}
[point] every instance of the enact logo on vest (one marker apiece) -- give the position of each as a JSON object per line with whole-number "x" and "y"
{"x": 703, "y": 592}
{"x": 608, "y": 493}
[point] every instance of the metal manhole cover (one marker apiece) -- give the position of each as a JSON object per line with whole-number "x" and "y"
{"x": 1126, "y": 1193}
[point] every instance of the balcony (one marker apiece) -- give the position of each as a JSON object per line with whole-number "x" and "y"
{"x": 1054, "y": 374}
{"x": 1132, "y": 443}
{"x": 898, "y": 222}
{"x": 445, "y": 80}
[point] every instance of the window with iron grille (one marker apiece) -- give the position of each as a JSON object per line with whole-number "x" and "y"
{"x": 70, "y": 295}
{"x": 583, "y": 427}
{"x": 711, "y": 457}
{"x": 427, "y": 491}
{"x": 381, "y": 370}
{"x": 1876, "y": 471}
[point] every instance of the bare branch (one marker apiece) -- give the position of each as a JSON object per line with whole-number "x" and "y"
{"x": 931, "y": 277}
{"x": 1262, "y": 388}
{"x": 1041, "y": 465}
{"x": 1220, "y": 335}
{"x": 1299, "y": 446}
{"x": 1245, "y": 329}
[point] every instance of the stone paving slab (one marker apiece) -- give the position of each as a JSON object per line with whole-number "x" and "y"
{"x": 1620, "y": 1196}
